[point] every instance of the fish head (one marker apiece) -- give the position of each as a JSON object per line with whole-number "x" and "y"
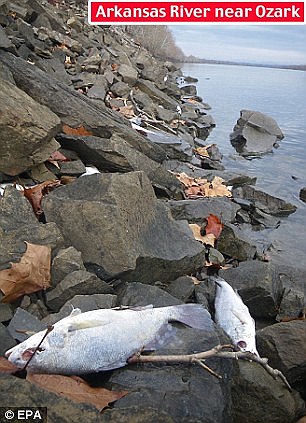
{"x": 247, "y": 344}
{"x": 39, "y": 355}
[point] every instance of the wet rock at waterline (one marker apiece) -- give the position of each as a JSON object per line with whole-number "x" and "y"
{"x": 255, "y": 133}
{"x": 119, "y": 226}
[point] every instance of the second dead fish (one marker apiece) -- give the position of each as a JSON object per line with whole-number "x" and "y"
{"x": 234, "y": 317}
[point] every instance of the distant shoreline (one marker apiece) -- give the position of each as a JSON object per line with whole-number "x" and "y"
{"x": 224, "y": 62}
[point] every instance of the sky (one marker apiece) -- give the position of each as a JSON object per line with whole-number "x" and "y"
{"x": 264, "y": 44}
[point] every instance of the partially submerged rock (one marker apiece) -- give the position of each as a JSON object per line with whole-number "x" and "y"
{"x": 255, "y": 133}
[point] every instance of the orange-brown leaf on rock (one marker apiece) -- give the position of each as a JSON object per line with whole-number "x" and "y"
{"x": 214, "y": 225}
{"x": 6, "y": 366}
{"x": 208, "y": 239}
{"x": 202, "y": 151}
{"x": 76, "y": 389}
{"x": 31, "y": 274}
{"x": 80, "y": 130}
{"x": 35, "y": 194}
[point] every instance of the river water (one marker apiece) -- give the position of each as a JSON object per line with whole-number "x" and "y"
{"x": 281, "y": 94}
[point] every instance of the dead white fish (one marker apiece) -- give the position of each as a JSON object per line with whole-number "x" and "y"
{"x": 103, "y": 339}
{"x": 234, "y": 317}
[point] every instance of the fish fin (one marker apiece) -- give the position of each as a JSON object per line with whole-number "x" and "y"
{"x": 193, "y": 315}
{"x": 164, "y": 334}
{"x": 239, "y": 316}
{"x": 85, "y": 324}
{"x": 139, "y": 308}
{"x": 75, "y": 312}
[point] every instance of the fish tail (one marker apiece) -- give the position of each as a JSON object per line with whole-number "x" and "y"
{"x": 193, "y": 315}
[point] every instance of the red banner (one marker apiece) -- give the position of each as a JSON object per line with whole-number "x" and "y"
{"x": 130, "y": 12}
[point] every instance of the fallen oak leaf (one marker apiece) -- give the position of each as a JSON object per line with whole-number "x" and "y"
{"x": 205, "y": 239}
{"x": 214, "y": 226}
{"x": 76, "y": 389}
{"x": 35, "y": 194}
{"x": 6, "y": 366}
{"x": 31, "y": 274}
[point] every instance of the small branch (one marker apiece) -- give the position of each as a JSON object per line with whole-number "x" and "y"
{"x": 48, "y": 330}
{"x": 217, "y": 351}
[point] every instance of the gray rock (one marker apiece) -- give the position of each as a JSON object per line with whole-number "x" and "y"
{"x": 138, "y": 294}
{"x": 182, "y": 288}
{"x": 5, "y": 43}
{"x": 284, "y": 344}
{"x": 156, "y": 95}
{"x": 17, "y": 391}
{"x": 84, "y": 303}
{"x": 18, "y": 224}
{"x": 76, "y": 283}
{"x": 165, "y": 114}
{"x": 73, "y": 108}
{"x": 174, "y": 146}
{"x": 303, "y": 194}
{"x": 116, "y": 155}
{"x": 256, "y": 282}
{"x": 264, "y": 202}
{"x": 7, "y": 341}
{"x": 140, "y": 240}
{"x": 24, "y": 321}
{"x": 129, "y": 74}
{"x": 258, "y": 397}
{"x": 120, "y": 89}
{"x": 132, "y": 414}
{"x": 41, "y": 173}
{"x": 75, "y": 23}
{"x": 196, "y": 210}
{"x": 255, "y": 133}
{"x": 5, "y": 311}
{"x": 27, "y": 130}
{"x": 232, "y": 244}
{"x": 73, "y": 168}
{"x": 189, "y": 90}
{"x": 65, "y": 262}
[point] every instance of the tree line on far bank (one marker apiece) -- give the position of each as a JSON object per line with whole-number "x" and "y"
{"x": 158, "y": 40}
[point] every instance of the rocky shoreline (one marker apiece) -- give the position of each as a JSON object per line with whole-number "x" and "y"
{"x": 106, "y": 132}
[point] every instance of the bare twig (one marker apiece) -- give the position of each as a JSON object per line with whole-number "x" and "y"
{"x": 149, "y": 119}
{"x": 217, "y": 351}
{"x": 48, "y": 330}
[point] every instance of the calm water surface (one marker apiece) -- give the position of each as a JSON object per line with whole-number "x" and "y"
{"x": 281, "y": 94}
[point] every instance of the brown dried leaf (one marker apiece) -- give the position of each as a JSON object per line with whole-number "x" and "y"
{"x": 202, "y": 151}
{"x": 205, "y": 239}
{"x": 80, "y": 130}
{"x": 76, "y": 389}
{"x": 214, "y": 226}
{"x": 36, "y": 193}
{"x": 127, "y": 111}
{"x": 6, "y": 366}
{"x": 31, "y": 274}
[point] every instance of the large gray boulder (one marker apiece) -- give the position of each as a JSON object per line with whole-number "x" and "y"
{"x": 121, "y": 229}
{"x": 116, "y": 155}
{"x": 284, "y": 344}
{"x": 26, "y": 129}
{"x": 255, "y": 133}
